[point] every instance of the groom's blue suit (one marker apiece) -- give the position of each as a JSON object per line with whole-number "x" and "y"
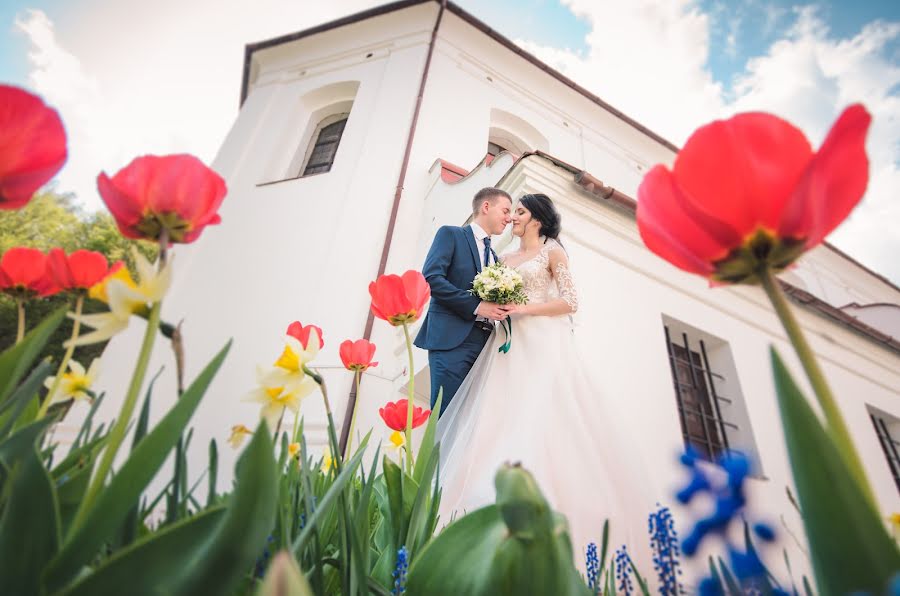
{"x": 450, "y": 332}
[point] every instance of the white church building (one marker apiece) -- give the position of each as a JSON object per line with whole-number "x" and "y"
{"x": 358, "y": 138}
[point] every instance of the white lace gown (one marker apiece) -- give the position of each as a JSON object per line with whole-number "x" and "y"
{"x": 537, "y": 405}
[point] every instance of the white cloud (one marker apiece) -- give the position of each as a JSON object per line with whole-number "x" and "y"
{"x": 649, "y": 59}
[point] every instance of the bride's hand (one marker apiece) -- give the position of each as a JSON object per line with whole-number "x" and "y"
{"x": 516, "y": 309}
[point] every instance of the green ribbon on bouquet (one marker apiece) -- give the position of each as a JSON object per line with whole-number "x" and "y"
{"x": 507, "y": 327}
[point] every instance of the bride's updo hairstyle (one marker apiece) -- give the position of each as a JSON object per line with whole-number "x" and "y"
{"x": 543, "y": 210}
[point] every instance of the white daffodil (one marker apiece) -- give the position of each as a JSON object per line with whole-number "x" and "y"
{"x": 288, "y": 369}
{"x": 239, "y": 432}
{"x": 124, "y": 297}
{"x": 76, "y": 383}
{"x": 274, "y": 399}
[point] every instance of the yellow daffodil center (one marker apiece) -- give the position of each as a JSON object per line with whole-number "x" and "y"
{"x": 275, "y": 395}
{"x": 75, "y": 383}
{"x": 294, "y": 449}
{"x": 289, "y": 360}
{"x": 98, "y": 290}
{"x": 396, "y": 438}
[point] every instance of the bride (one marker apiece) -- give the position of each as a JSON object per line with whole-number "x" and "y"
{"x": 535, "y": 404}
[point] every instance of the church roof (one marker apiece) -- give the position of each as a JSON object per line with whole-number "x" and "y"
{"x": 250, "y": 48}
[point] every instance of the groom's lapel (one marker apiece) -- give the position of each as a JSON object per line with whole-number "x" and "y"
{"x": 470, "y": 237}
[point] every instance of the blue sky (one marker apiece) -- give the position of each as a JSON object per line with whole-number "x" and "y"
{"x": 671, "y": 64}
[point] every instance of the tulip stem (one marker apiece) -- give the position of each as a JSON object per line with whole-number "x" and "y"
{"x": 833, "y": 418}
{"x": 117, "y": 434}
{"x": 20, "y": 331}
{"x": 347, "y": 451}
{"x": 76, "y": 326}
{"x": 409, "y": 401}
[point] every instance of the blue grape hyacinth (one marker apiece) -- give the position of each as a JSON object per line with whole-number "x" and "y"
{"x": 666, "y": 552}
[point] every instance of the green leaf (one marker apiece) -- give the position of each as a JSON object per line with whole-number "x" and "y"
{"x": 29, "y": 528}
{"x": 517, "y": 546}
{"x": 153, "y": 564}
{"x": 849, "y": 546}
{"x": 130, "y": 526}
{"x": 213, "y": 472}
{"x": 284, "y": 578}
{"x": 604, "y": 548}
{"x": 327, "y": 501}
{"x": 20, "y": 444}
{"x": 23, "y": 397}
{"x": 17, "y": 360}
{"x": 419, "y": 530}
{"x": 426, "y": 447}
{"x": 728, "y": 579}
{"x": 125, "y": 488}
{"x": 244, "y": 532}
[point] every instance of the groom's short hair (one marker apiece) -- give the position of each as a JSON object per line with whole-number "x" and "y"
{"x": 489, "y": 194}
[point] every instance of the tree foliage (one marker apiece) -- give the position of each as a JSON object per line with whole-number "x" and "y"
{"x": 52, "y": 220}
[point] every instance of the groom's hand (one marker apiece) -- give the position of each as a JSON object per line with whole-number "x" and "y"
{"x": 490, "y": 310}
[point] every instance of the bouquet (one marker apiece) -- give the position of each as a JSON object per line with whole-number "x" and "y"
{"x": 500, "y": 284}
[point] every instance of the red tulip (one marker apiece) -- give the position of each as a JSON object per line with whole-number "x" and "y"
{"x": 357, "y": 355}
{"x": 77, "y": 271}
{"x": 172, "y": 192}
{"x": 301, "y": 333}
{"x": 24, "y": 271}
{"x": 399, "y": 299}
{"x": 394, "y": 415}
{"x": 32, "y": 145}
{"x": 748, "y": 193}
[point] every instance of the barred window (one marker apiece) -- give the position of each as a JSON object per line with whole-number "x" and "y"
{"x": 888, "y": 431}
{"x": 324, "y": 150}
{"x": 712, "y": 411}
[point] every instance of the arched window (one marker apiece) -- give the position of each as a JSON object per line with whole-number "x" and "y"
{"x": 513, "y": 134}
{"x": 323, "y": 150}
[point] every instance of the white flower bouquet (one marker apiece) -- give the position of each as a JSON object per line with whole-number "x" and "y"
{"x": 499, "y": 284}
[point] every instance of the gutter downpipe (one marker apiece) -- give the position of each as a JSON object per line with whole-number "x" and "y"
{"x": 395, "y": 208}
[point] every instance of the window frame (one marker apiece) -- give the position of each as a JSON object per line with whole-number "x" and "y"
{"x": 890, "y": 445}
{"x": 701, "y": 384}
{"x": 314, "y": 141}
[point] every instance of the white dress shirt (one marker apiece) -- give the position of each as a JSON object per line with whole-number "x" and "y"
{"x": 480, "y": 235}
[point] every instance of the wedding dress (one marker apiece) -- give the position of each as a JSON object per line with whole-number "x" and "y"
{"x": 537, "y": 405}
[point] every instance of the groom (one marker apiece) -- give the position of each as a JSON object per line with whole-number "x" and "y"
{"x": 458, "y": 324}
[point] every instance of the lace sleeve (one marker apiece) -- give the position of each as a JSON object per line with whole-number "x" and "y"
{"x": 559, "y": 265}
{"x": 566, "y": 285}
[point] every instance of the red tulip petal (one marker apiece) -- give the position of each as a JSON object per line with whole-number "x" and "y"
{"x": 389, "y": 297}
{"x": 123, "y": 208}
{"x": 834, "y": 182}
{"x": 417, "y": 289}
{"x": 345, "y": 353}
{"x": 742, "y": 170}
{"x": 87, "y": 267}
{"x": 24, "y": 267}
{"x": 58, "y": 268}
{"x": 668, "y": 231}
{"x": 32, "y": 145}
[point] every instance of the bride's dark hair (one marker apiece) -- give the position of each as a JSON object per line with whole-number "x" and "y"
{"x": 543, "y": 210}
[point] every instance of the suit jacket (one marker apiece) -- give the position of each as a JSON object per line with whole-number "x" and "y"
{"x": 451, "y": 265}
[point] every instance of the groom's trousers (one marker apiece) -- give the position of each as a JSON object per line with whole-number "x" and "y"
{"x": 450, "y": 367}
